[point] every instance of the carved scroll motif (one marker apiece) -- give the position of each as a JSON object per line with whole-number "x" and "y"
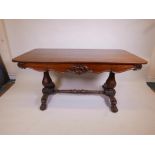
{"x": 79, "y": 69}
{"x": 21, "y": 65}
{"x": 137, "y": 67}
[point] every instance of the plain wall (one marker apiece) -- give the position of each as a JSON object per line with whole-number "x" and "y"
{"x": 136, "y": 36}
{"x": 151, "y": 73}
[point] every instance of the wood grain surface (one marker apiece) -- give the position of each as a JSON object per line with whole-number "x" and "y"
{"x": 106, "y": 56}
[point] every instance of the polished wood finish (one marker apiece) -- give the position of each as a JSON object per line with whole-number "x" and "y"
{"x": 106, "y": 56}
{"x": 68, "y": 67}
{"x": 94, "y": 60}
{"x": 80, "y": 61}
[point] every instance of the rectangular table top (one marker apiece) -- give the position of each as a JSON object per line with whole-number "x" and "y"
{"x": 105, "y": 56}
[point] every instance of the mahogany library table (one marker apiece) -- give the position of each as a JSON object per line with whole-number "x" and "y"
{"x": 80, "y": 61}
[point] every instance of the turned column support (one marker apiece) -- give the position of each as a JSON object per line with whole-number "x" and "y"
{"x": 109, "y": 90}
{"x": 48, "y": 89}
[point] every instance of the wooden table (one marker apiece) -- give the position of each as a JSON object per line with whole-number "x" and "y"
{"x": 80, "y": 61}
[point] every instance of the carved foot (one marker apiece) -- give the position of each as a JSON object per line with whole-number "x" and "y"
{"x": 43, "y": 106}
{"x": 114, "y": 109}
{"x": 113, "y": 104}
{"x": 43, "y": 101}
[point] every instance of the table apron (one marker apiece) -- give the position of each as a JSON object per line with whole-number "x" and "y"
{"x": 79, "y": 68}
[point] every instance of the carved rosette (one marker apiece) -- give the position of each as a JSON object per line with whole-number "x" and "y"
{"x": 79, "y": 69}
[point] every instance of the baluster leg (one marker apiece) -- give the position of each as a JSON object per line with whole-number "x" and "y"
{"x": 49, "y": 88}
{"x": 109, "y": 90}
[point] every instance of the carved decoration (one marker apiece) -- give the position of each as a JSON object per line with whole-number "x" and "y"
{"x": 21, "y": 65}
{"x": 137, "y": 67}
{"x": 79, "y": 69}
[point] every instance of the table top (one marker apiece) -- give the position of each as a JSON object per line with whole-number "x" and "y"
{"x": 104, "y": 56}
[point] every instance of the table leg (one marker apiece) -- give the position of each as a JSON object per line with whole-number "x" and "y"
{"x": 109, "y": 90}
{"x": 49, "y": 88}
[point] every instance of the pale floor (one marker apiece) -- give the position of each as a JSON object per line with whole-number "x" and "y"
{"x": 76, "y": 114}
